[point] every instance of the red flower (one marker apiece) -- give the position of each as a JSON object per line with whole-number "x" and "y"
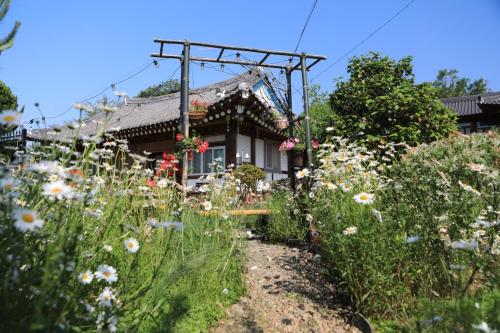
{"x": 179, "y": 137}
{"x": 203, "y": 147}
{"x": 150, "y": 182}
{"x": 314, "y": 143}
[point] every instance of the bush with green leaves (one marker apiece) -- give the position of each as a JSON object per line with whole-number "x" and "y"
{"x": 380, "y": 102}
{"x": 249, "y": 175}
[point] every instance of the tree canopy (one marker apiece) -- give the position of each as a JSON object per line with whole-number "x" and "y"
{"x": 163, "y": 88}
{"x": 449, "y": 84}
{"x": 380, "y": 102}
{"x": 7, "y": 99}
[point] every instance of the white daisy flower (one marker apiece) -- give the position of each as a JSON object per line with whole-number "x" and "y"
{"x": 8, "y": 184}
{"x": 303, "y": 173}
{"x": 469, "y": 188}
{"x": 107, "y": 273}
{"x": 132, "y": 245}
{"x": 412, "y": 239}
{"x": 86, "y": 277}
{"x": 11, "y": 118}
{"x": 207, "y": 205}
{"x": 106, "y": 298}
{"x": 364, "y": 198}
{"x": 107, "y": 248}
{"x": 309, "y": 218}
{"x": 162, "y": 183}
{"x": 172, "y": 225}
{"x": 57, "y": 190}
{"x": 483, "y": 327}
{"x": 350, "y": 230}
{"x": 477, "y": 167}
{"x": 345, "y": 187}
{"x": 26, "y": 219}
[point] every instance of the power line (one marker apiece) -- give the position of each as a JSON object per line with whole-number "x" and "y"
{"x": 365, "y": 39}
{"x": 305, "y": 25}
{"x": 154, "y": 62}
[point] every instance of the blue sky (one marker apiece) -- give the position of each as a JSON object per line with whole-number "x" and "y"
{"x": 66, "y": 51}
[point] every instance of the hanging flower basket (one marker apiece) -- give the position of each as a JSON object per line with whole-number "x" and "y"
{"x": 281, "y": 123}
{"x": 198, "y": 110}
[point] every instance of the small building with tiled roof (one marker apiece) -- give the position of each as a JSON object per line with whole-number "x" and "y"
{"x": 239, "y": 126}
{"x": 476, "y": 113}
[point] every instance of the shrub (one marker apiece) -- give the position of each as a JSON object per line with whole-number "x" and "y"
{"x": 249, "y": 174}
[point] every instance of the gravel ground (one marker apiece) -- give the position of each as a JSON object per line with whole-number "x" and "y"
{"x": 285, "y": 293}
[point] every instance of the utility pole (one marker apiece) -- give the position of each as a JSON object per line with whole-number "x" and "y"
{"x": 184, "y": 119}
{"x": 307, "y": 117}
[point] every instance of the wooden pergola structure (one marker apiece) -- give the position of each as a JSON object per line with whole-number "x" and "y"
{"x": 303, "y": 62}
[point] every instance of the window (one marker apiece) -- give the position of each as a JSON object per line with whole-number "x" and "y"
{"x": 271, "y": 156}
{"x": 207, "y": 161}
{"x": 465, "y": 127}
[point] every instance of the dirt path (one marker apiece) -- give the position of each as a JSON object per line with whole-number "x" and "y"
{"x": 285, "y": 293}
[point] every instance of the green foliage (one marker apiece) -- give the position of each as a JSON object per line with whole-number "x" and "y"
{"x": 462, "y": 315}
{"x": 7, "y": 41}
{"x": 164, "y": 88}
{"x": 450, "y": 85}
{"x": 173, "y": 283}
{"x": 249, "y": 174}
{"x": 381, "y": 103}
{"x": 284, "y": 224}
{"x": 8, "y": 100}
{"x": 428, "y": 231}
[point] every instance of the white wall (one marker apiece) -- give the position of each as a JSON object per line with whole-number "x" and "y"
{"x": 259, "y": 153}
{"x": 244, "y": 146}
{"x": 284, "y": 161}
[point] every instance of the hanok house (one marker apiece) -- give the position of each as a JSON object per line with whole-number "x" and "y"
{"x": 239, "y": 126}
{"x": 476, "y": 113}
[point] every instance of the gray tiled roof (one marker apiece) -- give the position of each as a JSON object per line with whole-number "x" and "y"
{"x": 471, "y": 105}
{"x": 138, "y": 112}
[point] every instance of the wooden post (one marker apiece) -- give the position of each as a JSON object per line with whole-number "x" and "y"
{"x": 307, "y": 117}
{"x": 289, "y": 113}
{"x": 184, "y": 116}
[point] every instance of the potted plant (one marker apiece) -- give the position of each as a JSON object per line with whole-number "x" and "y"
{"x": 198, "y": 109}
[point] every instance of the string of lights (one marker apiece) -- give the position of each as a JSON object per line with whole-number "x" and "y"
{"x": 373, "y": 33}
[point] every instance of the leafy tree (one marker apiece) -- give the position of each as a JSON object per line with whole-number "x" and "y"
{"x": 6, "y": 42}
{"x": 7, "y": 99}
{"x": 381, "y": 103}
{"x": 450, "y": 85}
{"x": 319, "y": 109}
{"x": 164, "y": 88}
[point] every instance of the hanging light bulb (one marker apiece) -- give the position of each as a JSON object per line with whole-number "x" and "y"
{"x": 113, "y": 87}
{"x": 156, "y": 63}
{"x": 222, "y": 67}
{"x": 238, "y": 56}
{"x": 202, "y": 66}
{"x": 282, "y": 71}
